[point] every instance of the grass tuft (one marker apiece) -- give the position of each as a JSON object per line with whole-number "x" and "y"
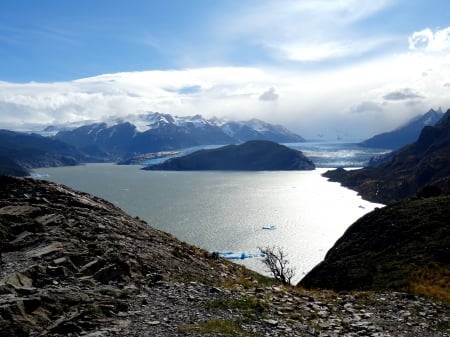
{"x": 432, "y": 281}
{"x": 217, "y": 326}
{"x": 250, "y": 307}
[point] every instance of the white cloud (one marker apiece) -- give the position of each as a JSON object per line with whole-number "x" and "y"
{"x": 317, "y": 51}
{"x": 429, "y": 41}
{"x": 356, "y": 99}
{"x": 309, "y": 30}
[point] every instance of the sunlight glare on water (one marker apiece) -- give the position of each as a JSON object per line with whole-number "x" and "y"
{"x": 226, "y": 211}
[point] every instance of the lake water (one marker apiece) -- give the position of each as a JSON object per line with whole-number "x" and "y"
{"x": 226, "y": 211}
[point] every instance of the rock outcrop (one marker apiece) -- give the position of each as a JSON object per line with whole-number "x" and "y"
{"x": 257, "y": 155}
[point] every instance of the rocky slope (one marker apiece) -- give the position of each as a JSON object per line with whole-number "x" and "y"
{"x": 424, "y": 164}
{"x": 251, "y": 156}
{"x": 10, "y": 167}
{"x": 68, "y": 257}
{"x": 76, "y": 265}
{"x": 400, "y": 247}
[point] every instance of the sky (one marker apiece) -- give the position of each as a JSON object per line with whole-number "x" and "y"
{"x": 321, "y": 68}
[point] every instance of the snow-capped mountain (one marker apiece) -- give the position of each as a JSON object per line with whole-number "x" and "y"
{"x": 154, "y": 131}
{"x": 405, "y": 134}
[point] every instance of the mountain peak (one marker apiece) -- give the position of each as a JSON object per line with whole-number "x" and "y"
{"x": 404, "y": 134}
{"x": 155, "y": 131}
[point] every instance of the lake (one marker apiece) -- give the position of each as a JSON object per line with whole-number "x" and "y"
{"x": 226, "y": 211}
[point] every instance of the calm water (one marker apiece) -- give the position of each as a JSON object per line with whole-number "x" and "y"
{"x": 225, "y": 211}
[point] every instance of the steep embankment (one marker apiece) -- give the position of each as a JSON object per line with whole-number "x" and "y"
{"x": 422, "y": 164}
{"x": 254, "y": 155}
{"x": 404, "y": 246}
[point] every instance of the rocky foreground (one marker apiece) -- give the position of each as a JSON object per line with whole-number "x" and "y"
{"x": 76, "y": 265}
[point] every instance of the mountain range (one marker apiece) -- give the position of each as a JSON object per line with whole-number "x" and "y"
{"x": 405, "y": 134}
{"x": 121, "y": 139}
{"x": 153, "y": 132}
{"x": 20, "y": 152}
{"x": 422, "y": 166}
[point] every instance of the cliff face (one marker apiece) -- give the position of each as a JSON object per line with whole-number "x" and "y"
{"x": 396, "y": 247}
{"x": 251, "y": 156}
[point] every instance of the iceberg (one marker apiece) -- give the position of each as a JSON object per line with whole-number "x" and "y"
{"x": 40, "y": 175}
{"x": 270, "y": 228}
{"x": 238, "y": 255}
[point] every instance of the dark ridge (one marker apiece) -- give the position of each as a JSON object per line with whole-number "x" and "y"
{"x": 410, "y": 169}
{"x": 405, "y": 134}
{"x": 394, "y": 247}
{"x": 250, "y": 156}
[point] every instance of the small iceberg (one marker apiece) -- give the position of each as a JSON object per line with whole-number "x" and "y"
{"x": 269, "y": 228}
{"x": 237, "y": 255}
{"x": 40, "y": 175}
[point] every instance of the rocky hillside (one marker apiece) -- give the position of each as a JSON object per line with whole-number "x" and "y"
{"x": 251, "y": 156}
{"x": 69, "y": 259}
{"x": 404, "y": 246}
{"x": 423, "y": 166}
{"x": 75, "y": 265}
{"x": 10, "y": 167}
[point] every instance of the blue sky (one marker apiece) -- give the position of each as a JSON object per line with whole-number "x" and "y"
{"x": 347, "y": 68}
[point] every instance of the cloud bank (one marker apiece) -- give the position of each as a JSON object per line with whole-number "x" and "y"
{"x": 316, "y": 66}
{"x": 357, "y": 100}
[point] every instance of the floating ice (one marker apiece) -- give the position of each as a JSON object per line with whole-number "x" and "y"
{"x": 238, "y": 255}
{"x": 39, "y": 175}
{"x": 270, "y": 228}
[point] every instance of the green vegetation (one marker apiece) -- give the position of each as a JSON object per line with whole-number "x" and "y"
{"x": 249, "y": 307}
{"x": 218, "y": 326}
{"x": 431, "y": 281}
{"x": 245, "y": 278}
